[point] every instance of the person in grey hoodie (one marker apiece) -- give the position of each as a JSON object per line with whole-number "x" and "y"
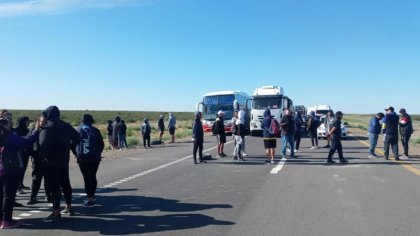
{"x": 172, "y": 126}
{"x": 239, "y": 135}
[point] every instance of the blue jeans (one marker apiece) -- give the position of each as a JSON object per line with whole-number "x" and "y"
{"x": 373, "y": 139}
{"x": 288, "y": 139}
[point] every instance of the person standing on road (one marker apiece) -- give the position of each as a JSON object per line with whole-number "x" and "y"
{"x": 234, "y": 119}
{"x": 298, "y": 129}
{"x": 335, "y": 135}
{"x": 406, "y": 129}
{"x": 312, "y": 127}
{"x": 198, "y": 138}
{"x": 161, "y": 126}
{"x": 22, "y": 130}
{"x": 287, "y": 124}
{"x": 10, "y": 169}
{"x": 115, "y": 132}
{"x": 172, "y": 127}
{"x": 390, "y": 131}
{"x": 329, "y": 119}
{"x": 88, "y": 153}
{"x": 146, "y": 130}
{"x": 219, "y": 130}
{"x": 109, "y": 133}
{"x": 239, "y": 135}
{"x": 374, "y": 130}
{"x": 122, "y": 135}
{"x": 56, "y": 140}
{"x": 270, "y": 140}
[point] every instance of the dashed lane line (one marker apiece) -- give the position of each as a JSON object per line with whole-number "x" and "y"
{"x": 279, "y": 166}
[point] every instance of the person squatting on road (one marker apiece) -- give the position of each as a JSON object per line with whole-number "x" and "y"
{"x": 374, "y": 130}
{"x": 406, "y": 129}
{"x": 146, "y": 130}
{"x": 239, "y": 135}
{"x": 11, "y": 166}
{"x": 335, "y": 135}
{"x": 287, "y": 124}
{"x": 161, "y": 126}
{"x": 56, "y": 140}
{"x": 219, "y": 131}
{"x": 198, "y": 138}
{"x": 172, "y": 126}
{"x": 270, "y": 140}
{"x": 298, "y": 129}
{"x": 390, "y": 131}
{"x": 88, "y": 153}
{"x": 312, "y": 127}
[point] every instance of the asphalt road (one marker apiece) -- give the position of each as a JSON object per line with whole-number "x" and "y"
{"x": 161, "y": 192}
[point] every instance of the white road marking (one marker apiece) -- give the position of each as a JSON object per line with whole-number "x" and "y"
{"x": 35, "y": 212}
{"x": 25, "y": 214}
{"x": 279, "y": 166}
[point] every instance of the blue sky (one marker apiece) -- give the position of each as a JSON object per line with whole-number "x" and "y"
{"x": 359, "y": 56}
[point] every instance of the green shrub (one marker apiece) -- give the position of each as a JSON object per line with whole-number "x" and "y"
{"x": 183, "y": 133}
{"x": 132, "y": 141}
{"x": 416, "y": 140}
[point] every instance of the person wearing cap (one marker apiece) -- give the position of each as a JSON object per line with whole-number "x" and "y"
{"x": 390, "y": 131}
{"x": 335, "y": 136}
{"x": 374, "y": 129}
{"x": 219, "y": 130}
{"x": 22, "y": 130}
{"x": 172, "y": 126}
{"x": 406, "y": 129}
{"x": 56, "y": 140}
{"x": 161, "y": 126}
{"x": 88, "y": 153}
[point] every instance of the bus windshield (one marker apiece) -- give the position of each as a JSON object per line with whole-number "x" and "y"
{"x": 266, "y": 102}
{"x": 213, "y": 104}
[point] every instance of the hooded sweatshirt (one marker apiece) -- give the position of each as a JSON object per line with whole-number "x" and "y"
{"x": 145, "y": 128}
{"x": 56, "y": 139}
{"x": 171, "y": 121}
{"x": 266, "y": 125}
{"x": 198, "y": 133}
{"x": 240, "y": 123}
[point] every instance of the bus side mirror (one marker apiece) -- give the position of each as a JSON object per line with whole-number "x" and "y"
{"x": 197, "y": 106}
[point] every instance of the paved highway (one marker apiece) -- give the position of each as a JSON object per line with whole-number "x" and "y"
{"x": 161, "y": 192}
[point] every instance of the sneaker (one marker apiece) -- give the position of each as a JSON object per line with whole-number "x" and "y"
{"x": 343, "y": 161}
{"x": 372, "y": 156}
{"x": 223, "y": 155}
{"x": 17, "y": 204}
{"x": 404, "y": 157}
{"x": 272, "y": 162}
{"x": 330, "y": 162}
{"x": 203, "y": 161}
{"x": 397, "y": 159}
{"x": 312, "y": 148}
{"x": 287, "y": 149}
{"x": 297, "y": 150}
{"x": 327, "y": 146}
{"x": 316, "y": 147}
{"x": 93, "y": 199}
{"x": 267, "y": 161}
{"x": 235, "y": 158}
{"x": 33, "y": 201}
{"x": 88, "y": 204}
{"x": 244, "y": 154}
{"x": 68, "y": 211}
{"x": 25, "y": 187}
{"x": 52, "y": 218}
{"x": 21, "y": 191}
{"x": 10, "y": 224}
{"x": 242, "y": 159}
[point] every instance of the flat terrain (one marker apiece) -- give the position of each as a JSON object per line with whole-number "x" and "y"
{"x": 161, "y": 192}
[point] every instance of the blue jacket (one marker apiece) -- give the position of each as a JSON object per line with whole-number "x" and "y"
{"x": 374, "y": 126}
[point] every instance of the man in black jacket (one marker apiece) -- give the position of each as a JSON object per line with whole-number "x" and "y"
{"x": 406, "y": 129}
{"x": 390, "y": 131}
{"x": 287, "y": 124}
{"x": 55, "y": 140}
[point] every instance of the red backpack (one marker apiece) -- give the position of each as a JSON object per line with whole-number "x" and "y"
{"x": 274, "y": 127}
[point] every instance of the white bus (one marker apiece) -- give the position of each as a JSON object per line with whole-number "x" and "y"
{"x": 227, "y": 101}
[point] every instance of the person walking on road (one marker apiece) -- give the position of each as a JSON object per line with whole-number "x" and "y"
{"x": 234, "y": 120}
{"x": 109, "y": 133}
{"x": 374, "y": 130}
{"x": 298, "y": 130}
{"x": 146, "y": 130}
{"x": 312, "y": 127}
{"x": 219, "y": 130}
{"x": 56, "y": 140}
{"x": 88, "y": 153}
{"x": 406, "y": 129}
{"x": 329, "y": 119}
{"x": 390, "y": 131}
{"x": 161, "y": 126}
{"x": 239, "y": 135}
{"x": 172, "y": 126}
{"x": 270, "y": 140}
{"x": 198, "y": 138}
{"x": 287, "y": 124}
{"x": 335, "y": 135}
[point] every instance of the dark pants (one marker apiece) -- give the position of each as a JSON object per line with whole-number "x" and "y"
{"x": 89, "y": 170}
{"x": 146, "y": 139}
{"x": 314, "y": 137}
{"x": 393, "y": 141}
{"x": 198, "y": 145}
{"x": 57, "y": 179}
{"x": 37, "y": 175}
{"x": 8, "y": 188}
{"x": 297, "y": 140}
{"x": 25, "y": 159}
{"x": 336, "y": 146}
{"x": 405, "y": 139}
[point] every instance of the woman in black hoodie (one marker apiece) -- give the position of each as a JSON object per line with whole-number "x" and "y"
{"x": 198, "y": 138}
{"x": 22, "y": 130}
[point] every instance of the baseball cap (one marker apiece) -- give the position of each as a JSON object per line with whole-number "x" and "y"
{"x": 220, "y": 112}
{"x": 402, "y": 110}
{"x": 390, "y": 108}
{"x": 339, "y": 113}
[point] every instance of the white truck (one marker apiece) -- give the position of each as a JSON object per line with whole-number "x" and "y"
{"x": 271, "y": 97}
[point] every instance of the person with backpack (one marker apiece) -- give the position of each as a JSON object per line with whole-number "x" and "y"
{"x": 298, "y": 129}
{"x": 406, "y": 129}
{"x": 219, "y": 131}
{"x": 161, "y": 126}
{"x": 88, "y": 153}
{"x": 22, "y": 130}
{"x": 109, "y": 133}
{"x": 56, "y": 140}
{"x": 146, "y": 130}
{"x": 312, "y": 126}
{"x": 374, "y": 130}
{"x": 198, "y": 138}
{"x": 115, "y": 131}
{"x": 122, "y": 135}
{"x": 270, "y": 128}
{"x": 287, "y": 124}
{"x": 390, "y": 131}
{"x": 239, "y": 135}
{"x": 10, "y": 169}
{"x": 172, "y": 127}
{"x": 335, "y": 135}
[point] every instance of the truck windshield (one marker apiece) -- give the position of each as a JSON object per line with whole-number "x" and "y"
{"x": 323, "y": 112}
{"x": 266, "y": 102}
{"x": 213, "y": 104}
